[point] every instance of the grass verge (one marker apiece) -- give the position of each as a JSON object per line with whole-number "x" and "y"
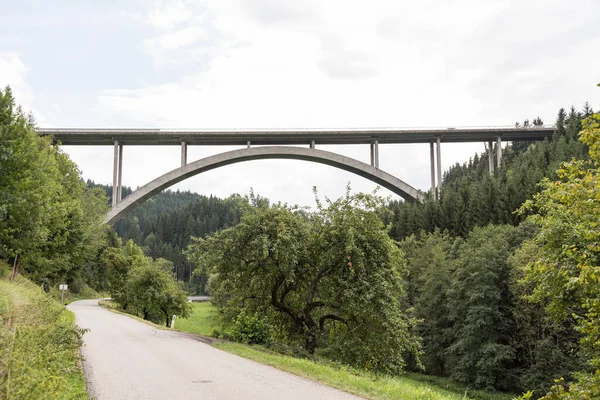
{"x": 357, "y": 382}
{"x": 39, "y": 345}
{"x": 203, "y": 320}
{"x": 114, "y": 307}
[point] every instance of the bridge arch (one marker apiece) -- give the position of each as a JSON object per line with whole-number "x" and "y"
{"x": 360, "y": 168}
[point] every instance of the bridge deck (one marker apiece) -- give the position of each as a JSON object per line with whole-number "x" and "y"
{"x": 99, "y": 137}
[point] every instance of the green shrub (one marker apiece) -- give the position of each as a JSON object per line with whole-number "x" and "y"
{"x": 249, "y": 328}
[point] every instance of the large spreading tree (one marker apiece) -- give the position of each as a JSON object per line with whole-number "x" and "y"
{"x": 327, "y": 280}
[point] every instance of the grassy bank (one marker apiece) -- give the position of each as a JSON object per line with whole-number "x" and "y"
{"x": 204, "y": 321}
{"x": 406, "y": 387}
{"x": 39, "y": 346}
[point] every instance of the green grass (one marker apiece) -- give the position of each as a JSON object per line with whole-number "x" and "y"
{"x": 39, "y": 346}
{"x": 203, "y": 320}
{"x": 360, "y": 383}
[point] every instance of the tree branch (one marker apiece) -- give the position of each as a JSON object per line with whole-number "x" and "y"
{"x": 279, "y": 305}
{"x": 332, "y": 317}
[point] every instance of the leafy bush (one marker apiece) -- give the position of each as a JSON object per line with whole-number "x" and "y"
{"x": 153, "y": 293}
{"x": 249, "y": 328}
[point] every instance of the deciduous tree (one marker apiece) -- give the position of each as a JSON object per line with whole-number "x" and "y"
{"x": 567, "y": 272}
{"x": 329, "y": 279}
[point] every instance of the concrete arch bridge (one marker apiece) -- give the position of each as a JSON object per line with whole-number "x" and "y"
{"x": 276, "y": 144}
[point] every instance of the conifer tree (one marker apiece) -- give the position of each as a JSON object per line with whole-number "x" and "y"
{"x": 479, "y": 303}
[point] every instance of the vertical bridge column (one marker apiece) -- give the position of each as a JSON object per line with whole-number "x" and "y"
{"x": 183, "y": 153}
{"x": 499, "y": 152}
{"x": 432, "y": 161}
{"x": 375, "y": 153}
{"x": 312, "y": 144}
{"x": 117, "y": 173}
{"x": 120, "y": 180}
{"x": 491, "y": 157}
{"x": 439, "y": 165}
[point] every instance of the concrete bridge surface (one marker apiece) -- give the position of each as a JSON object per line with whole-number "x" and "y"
{"x": 279, "y": 141}
{"x": 260, "y": 153}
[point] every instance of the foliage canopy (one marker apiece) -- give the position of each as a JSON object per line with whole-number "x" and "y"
{"x": 566, "y": 273}
{"x": 328, "y": 280}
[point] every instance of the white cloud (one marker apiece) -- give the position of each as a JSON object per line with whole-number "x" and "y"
{"x": 307, "y": 65}
{"x": 168, "y": 14}
{"x": 12, "y": 73}
{"x": 267, "y": 63}
{"x": 178, "y": 38}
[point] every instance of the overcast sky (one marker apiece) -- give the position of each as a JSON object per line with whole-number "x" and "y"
{"x": 269, "y": 64}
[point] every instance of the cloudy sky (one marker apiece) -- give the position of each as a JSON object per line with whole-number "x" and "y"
{"x": 270, "y": 64}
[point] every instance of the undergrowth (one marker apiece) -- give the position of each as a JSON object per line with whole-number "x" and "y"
{"x": 39, "y": 345}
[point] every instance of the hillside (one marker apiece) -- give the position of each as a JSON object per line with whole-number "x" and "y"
{"x": 471, "y": 197}
{"x": 164, "y": 224}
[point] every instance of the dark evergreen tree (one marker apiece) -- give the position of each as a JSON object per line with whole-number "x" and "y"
{"x": 481, "y": 353}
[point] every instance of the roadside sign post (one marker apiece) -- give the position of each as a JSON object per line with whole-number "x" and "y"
{"x": 62, "y": 288}
{"x": 173, "y": 321}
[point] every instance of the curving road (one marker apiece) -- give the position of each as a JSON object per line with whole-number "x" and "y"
{"x": 127, "y": 359}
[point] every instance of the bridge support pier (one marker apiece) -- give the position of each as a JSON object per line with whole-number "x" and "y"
{"x": 491, "y": 157}
{"x": 120, "y": 178}
{"x": 499, "y": 152}
{"x": 375, "y": 153}
{"x": 183, "y": 153}
{"x": 312, "y": 144}
{"x": 117, "y": 173}
{"x": 439, "y": 165}
{"x": 432, "y": 162}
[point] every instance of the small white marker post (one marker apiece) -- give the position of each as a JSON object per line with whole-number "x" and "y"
{"x": 62, "y": 288}
{"x": 173, "y": 321}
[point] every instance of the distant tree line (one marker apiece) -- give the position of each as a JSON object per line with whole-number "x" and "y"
{"x": 164, "y": 225}
{"x": 471, "y": 197}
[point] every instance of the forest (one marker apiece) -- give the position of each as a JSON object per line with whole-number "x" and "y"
{"x": 494, "y": 282}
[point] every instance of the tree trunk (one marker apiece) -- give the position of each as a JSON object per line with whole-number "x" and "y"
{"x": 15, "y": 268}
{"x": 310, "y": 342}
{"x": 311, "y": 335}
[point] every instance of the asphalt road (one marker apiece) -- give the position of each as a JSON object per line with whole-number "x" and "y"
{"x": 127, "y": 359}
